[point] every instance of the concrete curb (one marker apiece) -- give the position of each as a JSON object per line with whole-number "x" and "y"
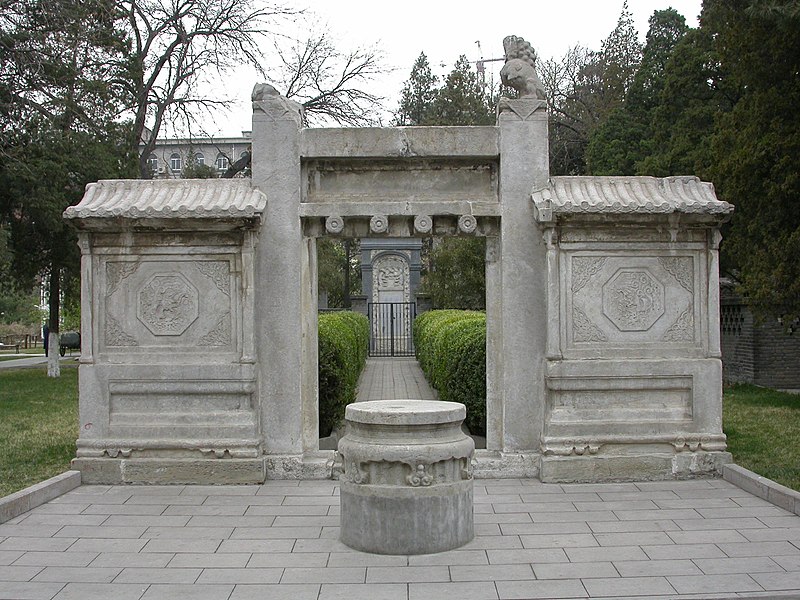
{"x": 36, "y": 495}
{"x": 772, "y": 492}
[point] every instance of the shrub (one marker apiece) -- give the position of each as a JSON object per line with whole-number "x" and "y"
{"x": 451, "y": 349}
{"x": 343, "y": 346}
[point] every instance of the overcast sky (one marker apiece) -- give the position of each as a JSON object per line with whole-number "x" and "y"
{"x": 445, "y": 29}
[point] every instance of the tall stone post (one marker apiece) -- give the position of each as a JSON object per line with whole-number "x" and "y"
{"x": 285, "y": 304}
{"x": 523, "y": 166}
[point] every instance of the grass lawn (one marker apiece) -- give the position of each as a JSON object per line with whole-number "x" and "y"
{"x": 38, "y": 425}
{"x": 763, "y": 429}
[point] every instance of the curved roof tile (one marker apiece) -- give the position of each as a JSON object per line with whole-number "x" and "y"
{"x": 637, "y": 195}
{"x": 169, "y": 198}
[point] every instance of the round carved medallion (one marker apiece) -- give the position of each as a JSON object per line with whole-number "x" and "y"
{"x": 167, "y": 304}
{"x": 633, "y": 299}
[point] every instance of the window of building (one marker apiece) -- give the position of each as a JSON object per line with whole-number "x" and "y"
{"x": 199, "y": 158}
{"x": 152, "y": 163}
{"x": 222, "y": 162}
{"x": 175, "y": 162}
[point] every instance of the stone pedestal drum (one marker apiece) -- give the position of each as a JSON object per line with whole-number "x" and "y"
{"x": 407, "y": 481}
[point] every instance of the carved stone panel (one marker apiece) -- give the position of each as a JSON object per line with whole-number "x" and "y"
{"x": 618, "y": 298}
{"x": 168, "y": 304}
{"x": 391, "y": 278}
{"x": 633, "y": 300}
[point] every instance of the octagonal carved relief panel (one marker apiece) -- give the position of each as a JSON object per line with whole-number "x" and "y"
{"x": 167, "y": 304}
{"x": 633, "y": 299}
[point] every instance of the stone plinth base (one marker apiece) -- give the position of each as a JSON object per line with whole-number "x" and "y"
{"x": 634, "y": 467}
{"x": 165, "y": 471}
{"x": 407, "y": 485}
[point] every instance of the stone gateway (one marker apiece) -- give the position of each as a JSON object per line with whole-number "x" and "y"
{"x": 199, "y": 330}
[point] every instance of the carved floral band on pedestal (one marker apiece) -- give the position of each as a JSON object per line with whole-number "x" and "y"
{"x": 379, "y": 224}
{"x": 583, "y": 330}
{"x": 218, "y": 271}
{"x": 115, "y": 336}
{"x": 116, "y": 272}
{"x": 355, "y": 474}
{"x": 423, "y": 224}
{"x": 419, "y": 477}
{"x": 467, "y": 223}
{"x": 584, "y": 268}
{"x": 334, "y": 224}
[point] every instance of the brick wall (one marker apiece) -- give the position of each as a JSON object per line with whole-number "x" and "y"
{"x": 759, "y": 352}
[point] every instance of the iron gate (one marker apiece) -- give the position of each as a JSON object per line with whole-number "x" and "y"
{"x": 391, "y": 328}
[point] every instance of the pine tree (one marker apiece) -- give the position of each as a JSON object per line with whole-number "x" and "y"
{"x": 418, "y": 94}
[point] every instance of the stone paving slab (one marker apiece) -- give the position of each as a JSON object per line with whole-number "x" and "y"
{"x": 393, "y": 378}
{"x": 622, "y": 540}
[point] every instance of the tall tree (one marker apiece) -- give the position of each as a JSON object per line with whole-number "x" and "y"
{"x": 584, "y": 88}
{"x": 694, "y": 95}
{"x": 58, "y": 99}
{"x": 462, "y": 100}
{"x": 620, "y": 144}
{"x": 756, "y": 147}
{"x": 175, "y": 44}
{"x": 331, "y": 84}
{"x": 456, "y": 275}
{"x": 417, "y": 95}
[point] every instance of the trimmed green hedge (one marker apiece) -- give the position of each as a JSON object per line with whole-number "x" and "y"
{"x": 451, "y": 349}
{"x": 343, "y": 346}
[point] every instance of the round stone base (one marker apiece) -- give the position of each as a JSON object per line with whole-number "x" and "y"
{"x": 385, "y": 519}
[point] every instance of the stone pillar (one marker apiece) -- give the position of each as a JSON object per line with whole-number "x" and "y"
{"x": 523, "y": 317}
{"x": 286, "y": 310}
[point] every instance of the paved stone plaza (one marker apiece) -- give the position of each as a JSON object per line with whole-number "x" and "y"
{"x": 693, "y": 539}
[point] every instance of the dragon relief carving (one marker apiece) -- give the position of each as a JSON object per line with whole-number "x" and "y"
{"x": 633, "y": 300}
{"x": 168, "y": 304}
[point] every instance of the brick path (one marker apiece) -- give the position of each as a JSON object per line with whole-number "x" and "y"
{"x": 393, "y": 379}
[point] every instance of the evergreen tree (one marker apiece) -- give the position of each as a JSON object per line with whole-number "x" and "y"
{"x": 620, "y": 144}
{"x": 59, "y": 97}
{"x": 462, "y": 100}
{"x": 756, "y": 146}
{"x": 417, "y": 95}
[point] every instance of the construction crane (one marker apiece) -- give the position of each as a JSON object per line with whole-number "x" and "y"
{"x": 479, "y": 64}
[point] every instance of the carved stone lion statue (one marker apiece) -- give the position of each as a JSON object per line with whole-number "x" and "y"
{"x": 519, "y": 72}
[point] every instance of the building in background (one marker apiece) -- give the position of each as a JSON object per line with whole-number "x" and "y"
{"x": 172, "y": 157}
